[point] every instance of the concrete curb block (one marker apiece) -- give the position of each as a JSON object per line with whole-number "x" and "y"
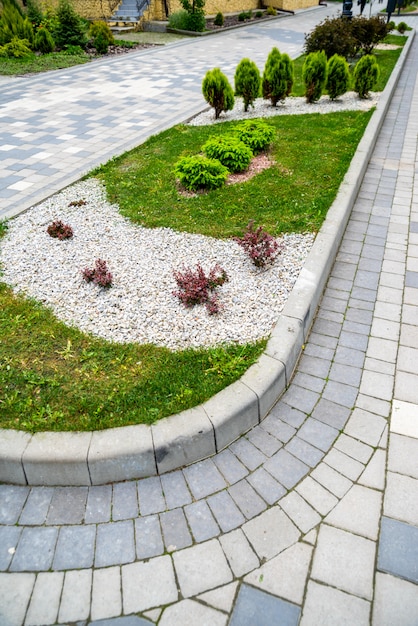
{"x": 132, "y": 452}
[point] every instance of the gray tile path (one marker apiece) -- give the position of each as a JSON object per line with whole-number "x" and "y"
{"x": 311, "y": 518}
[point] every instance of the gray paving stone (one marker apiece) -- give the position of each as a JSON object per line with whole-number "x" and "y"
{"x": 344, "y": 464}
{"x": 301, "y": 399}
{"x": 129, "y": 620}
{"x": 221, "y": 598}
{"x": 189, "y": 612}
{"x": 401, "y": 498}
{"x": 358, "y": 512}
{"x": 268, "y": 488}
{"x": 286, "y": 468}
{"x": 114, "y": 544}
{"x": 332, "y": 480}
{"x": 99, "y": 502}
{"x": 201, "y": 567}
{"x": 307, "y": 381}
{"x": 239, "y": 553}
{"x": 106, "y": 598}
{"x": 43, "y": 607}
{"x": 148, "y": 537}
{"x": 12, "y": 500}
{"x": 124, "y": 501}
{"x": 204, "y": 479}
{"x": 396, "y": 601}
{"x": 77, "y": 584}
{"x": 340, "y": 393}
{"x": 9, "y": 537}
{"x": 377, "y": 385}
{"x": 353, "y": 341}
{"x": 175, "y": 490}
{"x": 318, "y": 434}
{"x": 345, "y": 374}
{"x": 304, "y": 451}
{"x": 326, "y": 606}
{"x": 150, "y": 495}
{"x": 15, "y": 593}
{"x": 229, "y": 466}
{"x": 147, "y": 585}
{"x": 175, "y": 531}
{"x": 403, "y": 455}
{"x": 247, "y": 453}
{"x": 344, "y": 561}
{"x": 317, "y": 496}
{"x": 283, "y": 413}
{"x": 264, "y": 441}
{"x": 398, "y": 549}
{"x": 201, "y": 521}
{"x": 271, "y": 532}
{"x": 257, "y": 608}
{"x": 309, "y": 364}
{"x": 67, "y": 506}
{"x": 280, "y": 428}
{"x": 300, "y": 512}
{"x": 355, "y": 449}
{"x": 321, "y": 352}
{"x": 331, "y": 413}
{"x": 225, "y": 510}
{"x": 365, "y": 426}
{"x": 35, "y": 550}
{"x": 36, "y": 507}
{"x": 75, "y": 547}
{"x": 247, "y": 499}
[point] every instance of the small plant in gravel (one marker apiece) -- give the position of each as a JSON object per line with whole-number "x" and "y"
{"x": 80, "y": 202}
{"x": 259, "y": 245}
{"x": 256, "y": 134}
{"x": 195, "y": 287}
{"x": 217, "y": 91}
{"x": 59, "y": 230}
{"x": 365, "y": 75}
{"x": 198, "y": 172}
{"x": 247, "y": 82}
{"x": 230, "y": 151}
{"x": 99, "y": 275}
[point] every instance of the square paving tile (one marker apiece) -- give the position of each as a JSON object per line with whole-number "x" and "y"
{"x": 398, "y": 549}
{"x": 258, "y": 608}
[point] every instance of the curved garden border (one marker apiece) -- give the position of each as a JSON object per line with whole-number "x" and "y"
{"x": 131, "y": 452}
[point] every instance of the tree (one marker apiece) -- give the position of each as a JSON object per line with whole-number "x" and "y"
{"x": 314, "y": 74}
{"x": 70, "y": 30}
{"x": 247, "y": 82}
{"x": 338, "y": 79}
{"x": 196, "y": 14}
{"x": 366, "y": 73}
{"x": 217, "y": 91}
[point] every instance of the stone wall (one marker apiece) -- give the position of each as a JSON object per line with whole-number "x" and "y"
{"x": 224, "y": 6}
{"x": 90, "y": 9}
{"x": 292, "y": 5}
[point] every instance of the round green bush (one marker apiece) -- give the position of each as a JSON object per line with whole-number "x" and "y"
{"x": 365, "y": 75}
{"x": 44, "y": 41}
{"x": 230, "y": 151}
{"x": 256, "y": 134}
{"x": 402, "y": 27}
{"x": 314, "y": 75}
{"x": 16, "y": 49}
{"x": 178, "y": 20}
{"x": 219, "y": 19}
{"x": 102, "y": 36}
{"x": 338, "y": 79}
{"x": 199, "y": 172}
{"x": 247, "y": 82}
{"x": 217, "y": 91}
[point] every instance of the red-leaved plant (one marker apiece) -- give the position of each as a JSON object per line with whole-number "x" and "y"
{"x": 194, "y": 287}
{"x": 261, "y": 247}
{"x": 99, "y": 275}
{"x": 59, "y": 230}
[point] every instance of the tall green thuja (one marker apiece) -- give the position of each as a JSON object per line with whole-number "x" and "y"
{"x": 314, "y": 75}
{"x": 217, "y": 91}
{"x": 14, "y": 24}
{"x": 247, "y": 82}
{"x": 273, "y": 57}
{"x": 70, "y": 30}
{"x": 338, "y": 76}
{"x": 288, "y": 71}
{"x": 366, "y": 73}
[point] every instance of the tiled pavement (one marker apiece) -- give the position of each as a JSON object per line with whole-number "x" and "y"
{"x": 312, "y": 517}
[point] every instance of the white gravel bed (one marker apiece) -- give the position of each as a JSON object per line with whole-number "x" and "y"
{"x": 140, "y": 307}
{"x": 290, "y": 106}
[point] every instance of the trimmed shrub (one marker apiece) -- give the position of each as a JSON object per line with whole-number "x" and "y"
{"x": 178, "y": 20}
{"x": 102, "y": 36}
{"x": 314, "y": 75}
{"x": 402, "y": 27}
{"x": 273, "y": 57}
{"x": 279, "y": 79}
{"x": 247, "y": 82}
{"x": 368, "y": 32}
{"x": 365, "y": 75}
{"x": 16, "y": 49}
{"x": 338, "y": 79}
{"x": 256, "y": 134}
{"x": 199, "y": 172}
{"x": 333, "y": 36}
{"x": 271, "y": 11}
{"x": 391, "y": 26}
{"x": 219, "y": 19}
{"x": 70, "y": 30}
{"x": 44, "y": 41}
{"x": 217, "y": 91}
{"x": 230, "y": 151}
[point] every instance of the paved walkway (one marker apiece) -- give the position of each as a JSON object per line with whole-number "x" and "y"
{"x": 312, "y": 517}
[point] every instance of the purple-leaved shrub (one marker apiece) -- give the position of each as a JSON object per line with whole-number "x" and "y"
{"x": 99, "y": 275}
{"x": 261, "y": 247}
{"x": 59, "y": 230}
{"x": 195, "y": 287}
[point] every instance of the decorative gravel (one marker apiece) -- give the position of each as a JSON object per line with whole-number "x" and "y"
{"x": 290, "y": 106}
{"x": 140, "y": 306}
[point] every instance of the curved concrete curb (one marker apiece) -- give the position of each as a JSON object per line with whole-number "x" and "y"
{"x": 133, "y": 452}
